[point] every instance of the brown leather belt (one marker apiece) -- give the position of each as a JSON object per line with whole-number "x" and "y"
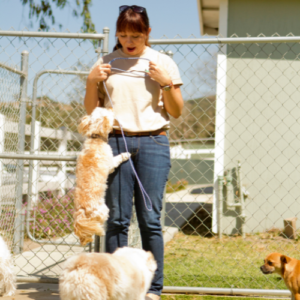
{"x": 144, "y": 133}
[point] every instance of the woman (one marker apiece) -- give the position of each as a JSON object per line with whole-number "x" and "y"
{"x": 142, "y": 102}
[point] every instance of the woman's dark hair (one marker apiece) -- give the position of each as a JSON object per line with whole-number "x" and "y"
{"x": 129, "y": 20}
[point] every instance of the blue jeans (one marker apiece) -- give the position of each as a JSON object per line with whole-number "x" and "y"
{"x": 151, "y": 158}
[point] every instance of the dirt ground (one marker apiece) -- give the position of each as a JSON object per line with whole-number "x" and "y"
{"x": 29, "y": 245}
{"x": 35, "y": 291}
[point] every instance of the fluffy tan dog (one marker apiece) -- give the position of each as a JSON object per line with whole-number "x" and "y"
{"x": 288, "y": 268}
{"x": 124, "y": 275}
{"x": 94, "y": 164}
{"x": 7, "y": 276}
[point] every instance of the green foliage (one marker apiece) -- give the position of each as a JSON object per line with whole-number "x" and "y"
{"x": 53, "y": 216}
{"x": 175, "y": 187}
{"x": 55, "y": 115}
{"x": 88, "y": 25}
{"x": 197, "y": 120}
{"x": 43, "y": 11}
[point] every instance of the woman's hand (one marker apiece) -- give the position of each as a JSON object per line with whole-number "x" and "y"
{"x": 173, "y": 101}
{"x": 99, "y": 73}
{"x": 91, "y": 99}
{"x": 159, "y": 74}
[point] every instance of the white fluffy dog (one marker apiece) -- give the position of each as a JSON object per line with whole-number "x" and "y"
{"x": 124, "y": 275}
{"x": 7, "y": 277}
{"x": 94, "y": 164}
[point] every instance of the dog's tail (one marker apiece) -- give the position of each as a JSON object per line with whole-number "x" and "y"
{"x": 85, "y": 227}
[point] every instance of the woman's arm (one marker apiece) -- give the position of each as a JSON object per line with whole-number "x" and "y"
{"x": 91, "y": 99}
{"x": 172, "y": 99}
{"x": 98, "y": 74}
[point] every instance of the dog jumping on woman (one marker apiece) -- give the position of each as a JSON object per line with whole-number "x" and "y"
{"x": 288, "y": 268}
{"x": 94, "y": 164}
{"x": 124, "y": 275}
{"x": 7, "y": 277}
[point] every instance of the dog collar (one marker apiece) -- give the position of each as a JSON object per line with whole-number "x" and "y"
{"x": 98, "y": 136}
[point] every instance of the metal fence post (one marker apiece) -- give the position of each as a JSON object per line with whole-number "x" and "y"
{"x": 18, "y": 234}
{"x": 62, "y": 173}
{"x": 220, "y": 205}
{"x": 35, "y": 172}
{"x": 99, "y": 245}
{"x": 105, "y": 41}
{"x": 2, "y": 137}
{"x": 169, "y": 53}
{"x": 242, "y": 201}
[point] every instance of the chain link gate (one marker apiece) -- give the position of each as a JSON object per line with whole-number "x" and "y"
{"x": 42, "y": 208}
{"x": 235, "y": 169}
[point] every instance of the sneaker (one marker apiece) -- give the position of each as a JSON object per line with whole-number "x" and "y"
{"x": 152, "y": 297}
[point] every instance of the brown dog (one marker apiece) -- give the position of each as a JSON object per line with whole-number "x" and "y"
{"x": 288, "y": 268}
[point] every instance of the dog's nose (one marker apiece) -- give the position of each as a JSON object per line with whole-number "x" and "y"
{"x": 261, "y": 268}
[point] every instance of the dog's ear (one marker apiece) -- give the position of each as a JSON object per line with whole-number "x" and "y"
{"x": 84, "y": 125}
{"x": 285, "y": 259}
{"x": 106, "y": 126}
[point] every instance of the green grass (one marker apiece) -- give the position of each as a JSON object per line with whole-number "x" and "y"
{"x": 233, "y": 262}
{"x": 198, "y": 297}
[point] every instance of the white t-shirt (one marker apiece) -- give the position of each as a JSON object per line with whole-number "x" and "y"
{"x": 137, "y": 99}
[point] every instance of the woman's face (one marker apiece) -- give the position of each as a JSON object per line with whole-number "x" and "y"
{"x": 133, "y": 43}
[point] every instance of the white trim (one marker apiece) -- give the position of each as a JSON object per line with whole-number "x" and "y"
{"x": 200, "y": 16}
{"x": 220, "y": 131}
{"x": 223, "y": 18}
{"x": 220, "y": 110}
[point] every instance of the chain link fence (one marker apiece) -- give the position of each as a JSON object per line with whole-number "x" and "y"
{"x": 10, "y": 92}
{"x": 232, "y": 193}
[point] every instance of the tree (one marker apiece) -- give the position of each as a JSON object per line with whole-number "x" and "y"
{"x": 197, "y": 120}
{"x": 43, "y": 11}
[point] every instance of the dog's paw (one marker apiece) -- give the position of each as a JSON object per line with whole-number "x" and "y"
{"x": 10, "y": 293}
{"x": 125, "y": 156}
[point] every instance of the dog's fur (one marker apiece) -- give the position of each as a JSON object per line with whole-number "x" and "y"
{"x": 288, "y": 268}
{"x": 94, "y": 164}
{"x": 7, "y": 277}
{"x": 124, "y": 275}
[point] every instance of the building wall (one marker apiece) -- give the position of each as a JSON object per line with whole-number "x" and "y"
{"x": 262, "y": 112}
{"x": 262, "y": 131}
{"x": 253, "y": 17}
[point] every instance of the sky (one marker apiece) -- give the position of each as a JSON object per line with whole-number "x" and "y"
{"x": 167, "y": 17}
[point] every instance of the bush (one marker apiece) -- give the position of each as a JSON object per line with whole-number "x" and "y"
{"x": 53, "y": 216}
{"x": 7, "y": 219}
{"x": 175, "y": 187}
